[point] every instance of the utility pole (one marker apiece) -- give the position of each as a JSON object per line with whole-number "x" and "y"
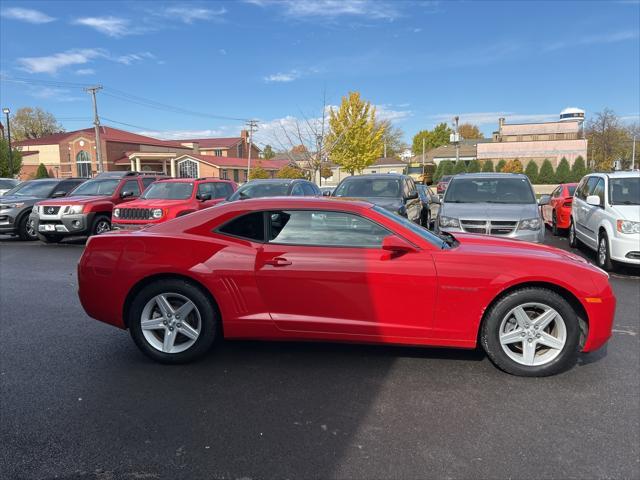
{"x": 251, "y": 124}
{"x": 96, "y": 124}
{"x": 385, "y": 149}
{"x": 6, "y": 111}
{"x": 423, "y": 144}
{"x": 457, "y": 139}
{"x": 633, "y": 154}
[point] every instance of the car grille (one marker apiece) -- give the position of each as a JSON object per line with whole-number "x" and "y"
{"x": 135, "y": 213}
{"x": 492, "y": 227}
{"x": 50, "y": 210}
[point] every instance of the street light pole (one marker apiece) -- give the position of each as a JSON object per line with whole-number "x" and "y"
{"x": 633, "y": 154}
{"x": 6, "y": 111}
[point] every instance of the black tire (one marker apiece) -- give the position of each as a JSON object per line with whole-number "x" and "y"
{"x": 573, "y": 239}
{"x": 603, "y": 259}
{"x": 26, "y": 231}
{"x": 208, "y": 317}
{"x": 99, "y": 224}
{"x": 50, "y": 238}
{"x": 425, "y": 219}
{"x": 489, "y": 334}
{"x": 554, "y": 225}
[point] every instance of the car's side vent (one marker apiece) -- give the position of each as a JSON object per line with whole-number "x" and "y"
{"x": 236, "y": 295}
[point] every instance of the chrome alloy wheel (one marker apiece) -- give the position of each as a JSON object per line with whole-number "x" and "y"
{"x": 31, "y": 228}
{"x": 102, "y": 226}
{"x": 602, "y": 251}
{"x": 532, "y": 334}
{"x": 170, "y": 323}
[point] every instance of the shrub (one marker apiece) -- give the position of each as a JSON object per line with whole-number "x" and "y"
{"x": 474, "y": 166}
{"x": 546, "y": 175}
{"x": 513, "y": 166}
{"x": 447, "y": 167}
{"x": 500, "y": 165}
{"x": 563, "y": 172}
{"x": 438, "y": 173}
{"x": 487, "y": 166}
{"x": 578, "y": 170}
{"x": 532, "y": 171}
{"x": 42, "y": 172}
{"x": 459, "y": 167}
{"x": 289, "y": 171}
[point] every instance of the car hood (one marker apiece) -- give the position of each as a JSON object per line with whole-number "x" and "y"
{"x": 154, "y": 203}
{"x": 489, "y": 211}
{"x": 79, "y": 200}
{"x": 389, "y": 203}
{"x": 623, "y": 212}
{"x": 18, "y": 199}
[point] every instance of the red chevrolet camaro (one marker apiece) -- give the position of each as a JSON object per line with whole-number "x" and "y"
{"x": 322, "y": 269}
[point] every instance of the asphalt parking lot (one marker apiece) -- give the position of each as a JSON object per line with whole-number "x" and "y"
{"x": 79, "y": 400}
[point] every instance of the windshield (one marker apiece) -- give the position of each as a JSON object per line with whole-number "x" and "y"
{"x": 97, "y": 187}
{"x": 33, "y": 189}
{"x": 258, "y": 190}
{"x": 624, "y": 191}
{"x": 368, "y": 187}
{"x": 572, "y": 189}
{"x": 168, "y": 191}
{"x": 489, "y": 190}
{"x": 7, "y": 184}
{"x": 415, "y": 228}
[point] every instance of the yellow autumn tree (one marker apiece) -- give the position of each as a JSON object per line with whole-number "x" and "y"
{"x": 513, "y": 166}
{"x": 355, "y": 141}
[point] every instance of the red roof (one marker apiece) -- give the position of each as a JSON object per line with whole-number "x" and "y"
{"x": 213, "y": 142}
{"x": 107, "y": 133}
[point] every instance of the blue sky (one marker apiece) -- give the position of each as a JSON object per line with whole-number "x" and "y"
{"x": 419, "y": 62}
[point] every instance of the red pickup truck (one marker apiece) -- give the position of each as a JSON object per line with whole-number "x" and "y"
{"x": 171, "y": 198}
{"x": 87, "y": 209}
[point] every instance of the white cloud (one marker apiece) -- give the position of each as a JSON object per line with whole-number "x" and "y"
{"x": 111, "y": 26}
{"x": 386, "y": 112}
{"x": 222, "y": 51}
{"x": 181, "y": 134}
{"x": 486, "y": 118}
{"x": 55, "y": 62}
{"x": 283, "y": 77}
{"x": 133, "y": 57}
{"x": 373, "y": 9}
{"x": 190, "y": 15}
{"x": 53, "y": 93}
{"x": 594, "y": 40}
{"x": 27, "y": 15}
{"x": 85, "y": 71}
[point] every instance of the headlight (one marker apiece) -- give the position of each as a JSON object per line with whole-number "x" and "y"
{"x": 13, "y": 205}
{"x": 449, "y": 222}
{"x": 35, "y": 209}
{"x": 116, "y": 212}
{"x": 529, "y": 224}
{"x": 73, "y": 209}
{"x": 627, "y": 226}
{"x": 156, "y": 213}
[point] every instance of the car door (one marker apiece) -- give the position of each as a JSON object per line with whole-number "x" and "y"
{"x": 547, "y": 210}
{"x": 596, "y": 213}
{"x": 325, "y": 272}
{"x": 133, "y": 186}
{"x": 584, "y": 226}
{"x": 215, "y": 195}
{"x": 297, "y": 190}
{"x": 412, "y": 200}
{"x": 434, "y": 203}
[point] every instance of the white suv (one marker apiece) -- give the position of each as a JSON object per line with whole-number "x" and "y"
{"x": 605, "y": 216}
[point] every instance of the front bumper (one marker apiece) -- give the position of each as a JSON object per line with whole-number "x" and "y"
{"x": 76, "y": 224}
{"x": 534, "y": 236}
{"x": 8, "y": 220}
{"x": 625, "y": 248}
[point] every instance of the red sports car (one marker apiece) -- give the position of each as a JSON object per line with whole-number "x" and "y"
{"x": 556, "y": 208}
{"x": 321, "y": 269}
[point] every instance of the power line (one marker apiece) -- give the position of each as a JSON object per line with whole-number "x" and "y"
{"x": 109, "y": 120}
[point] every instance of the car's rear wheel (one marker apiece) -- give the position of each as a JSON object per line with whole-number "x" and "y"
{"x": 172, "y": 321}
{"x": 554, "y": 224}
{"x": 27, "y": 229}
{"x": 603, "y": 256}
{"x": 101, "y": 224}
{"x": 573, "y": 239}
{"x": 532, "y": 332}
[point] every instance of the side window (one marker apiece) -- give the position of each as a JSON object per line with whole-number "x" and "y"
{"x": 205, "y": 188}
{"x": 322, "y": 228}
{"x": 222, "y": 190}
{"x": 591, "y": 185}
{"x": 297, "y": 190}
{"x": 412, "y": 186}
{"x": 66, "y": 187}
{"x": 308, "y": 189}
{"x": 131, "y": 186}
{"x": 250, "y": 227}
{"x": 599, "y": 191}
{"x": 146, "y": 181}
{"x": 580, "y": 188}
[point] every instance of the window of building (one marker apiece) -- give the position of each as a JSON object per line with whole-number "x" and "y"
{"x": 83, "y": 163}
{"x": 236, "y": 175}
{"x": 240, "y": 150}
{"x": 188, "y": 169}
{"x": 217, "y": 152}
{"x": 224, "y": 174}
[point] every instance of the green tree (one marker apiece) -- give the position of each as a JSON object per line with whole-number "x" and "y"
{"x": 469, "y": 131}
{"x": 355, "y": 136}
{"x": 459, "y": 167}
{"x": 546, "y": 175}
{"x": 487, "y": 166}
{"x": 437, "y": 175}
{"x": 513, "y": 166}
{"x": 578, "y": 170}
{"x": 432, "y": 139}
{"x": 532, "y": 171}
{"x": 268, "y": 152}
{"x": 258, "y": 172}
{"x": 30, "y": 122}
{"x": 4, "y": 160}
{"x": 42, "y": 172}
{"x": 447, "y": 168}
{"x": 563, "y": 172}
{"x": 474, "y": 166}
{"x": 289, "y": 171}
{"x": 500, "y": 166}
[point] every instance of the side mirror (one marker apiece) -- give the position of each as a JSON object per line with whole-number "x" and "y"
{"x": 58, "y": 194}
{"x": 326, "y": 193}
{"x": 544, "y": 200}
{"x": 126, "y": 194}
{"x": 593, "y": 200}
{"x": 204, "y": 197}
{"x": 397, "y": 245}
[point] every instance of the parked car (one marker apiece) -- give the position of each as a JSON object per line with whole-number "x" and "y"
{"x": 605, "y": 216}
{"x": 320, "y": 269}
{"x": 327, "y": 191}
{"x": 88, "y": 210}
{"x": 556, "y": 208}
{"x": 442, "y": 184}
{"x": 16, "y": 204}
{"x": 430, "y": 205}
{"x": 397, "y": 193}
{"x": 276, "y": 188}
{"x": 167, "y": 199}
{"x": 500, "y": 204}
{"x": 7, "y": 184}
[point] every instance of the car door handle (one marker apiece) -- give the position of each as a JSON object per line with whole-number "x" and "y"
{"x": 277, "y": 262}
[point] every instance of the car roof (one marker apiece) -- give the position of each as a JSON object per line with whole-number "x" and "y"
{"x": 375, "y": 175}
{"x": 189, "y": 180}
{"x": 490, "y": 175}
{"x": 283, "y": 202}
{"x": 618, "y": 174}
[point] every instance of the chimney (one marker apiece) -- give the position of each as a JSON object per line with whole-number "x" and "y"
{"x": 500, "y": 123}
{"x": 244, "y": 134}
{"x": 196, "y": 147}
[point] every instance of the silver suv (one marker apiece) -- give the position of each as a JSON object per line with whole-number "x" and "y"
{"x": 500, "y": 204}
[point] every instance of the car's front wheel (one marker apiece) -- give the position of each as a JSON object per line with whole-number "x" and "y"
{"x": 172, "y": 321}
{"x": 573, "y": 240}
{"x": 604, "y": 256}
{"x": 101, "y": 224}
{"x": 531, "y": 332}
{"x": 27, "y": 229}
